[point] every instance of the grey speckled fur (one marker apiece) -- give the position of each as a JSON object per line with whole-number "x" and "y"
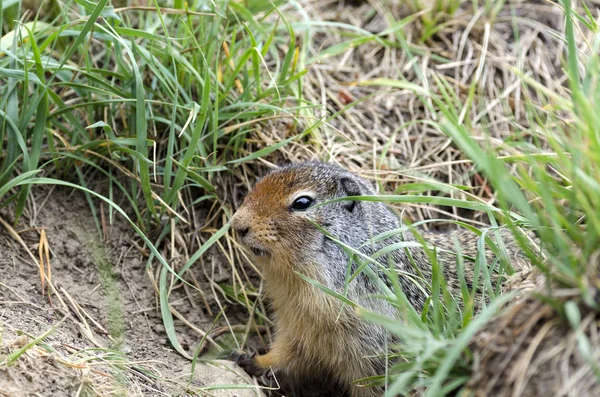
{"x": 357, "y": 228}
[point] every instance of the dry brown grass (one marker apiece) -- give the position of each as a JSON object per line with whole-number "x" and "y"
{"x": 390, "y": 135}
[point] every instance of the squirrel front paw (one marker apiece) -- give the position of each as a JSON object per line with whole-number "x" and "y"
{"x": 246, "y": 361}
{"x": 238, "y": 356}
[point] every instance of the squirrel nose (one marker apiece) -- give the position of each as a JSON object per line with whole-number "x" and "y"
{"x": 239, "y": 225}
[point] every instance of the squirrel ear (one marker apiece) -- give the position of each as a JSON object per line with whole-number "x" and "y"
{"x": 351, "y": 188}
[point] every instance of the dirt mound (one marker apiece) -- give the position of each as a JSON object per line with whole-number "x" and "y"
{"x": 97, "y": 328}
{"x": 533, "y": 349}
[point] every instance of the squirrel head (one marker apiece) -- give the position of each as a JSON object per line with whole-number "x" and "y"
{"x": 276, "y": 220}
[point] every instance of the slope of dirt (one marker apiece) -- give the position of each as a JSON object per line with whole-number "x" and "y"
{"x": 101, "y": 320}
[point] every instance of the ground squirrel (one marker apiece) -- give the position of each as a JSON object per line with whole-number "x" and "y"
{"x": 317, "y": 336}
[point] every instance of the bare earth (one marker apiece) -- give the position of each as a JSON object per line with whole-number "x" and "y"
{"x": 105, "y": 333}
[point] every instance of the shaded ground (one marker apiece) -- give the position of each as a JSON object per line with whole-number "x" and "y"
{"x": 103, "y": 325}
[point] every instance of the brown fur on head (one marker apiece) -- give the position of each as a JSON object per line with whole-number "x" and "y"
{"x": 268, "y": 226}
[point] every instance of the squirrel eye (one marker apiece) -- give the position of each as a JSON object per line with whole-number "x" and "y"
{"x": 302, "y": 203}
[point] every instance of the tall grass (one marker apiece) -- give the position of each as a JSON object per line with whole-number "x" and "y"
{"x": 164, "y": 97}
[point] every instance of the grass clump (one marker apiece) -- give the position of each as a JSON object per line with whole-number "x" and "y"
{"x": 164, "y": 97}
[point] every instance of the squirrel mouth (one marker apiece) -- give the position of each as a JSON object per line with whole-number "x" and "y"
{"x": 258, "y": 251}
